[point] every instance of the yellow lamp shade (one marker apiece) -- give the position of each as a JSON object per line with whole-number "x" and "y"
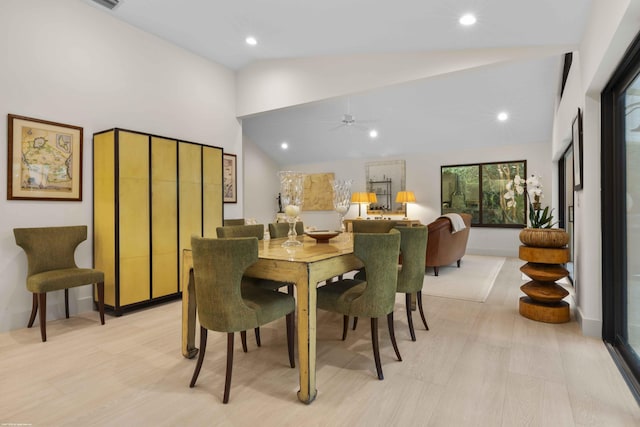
{"x": 360, "y": 197}
{"x": 405, "y": 197}
{"x": 373, "y": 198}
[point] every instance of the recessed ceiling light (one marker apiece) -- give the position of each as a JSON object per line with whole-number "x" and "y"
{"x": 251, "y": 41}
{"x": 503, "y": 116}
{"x": 373, "y": 133}
{"x": 467, "y": 19}
{"x": 284, "y": 145}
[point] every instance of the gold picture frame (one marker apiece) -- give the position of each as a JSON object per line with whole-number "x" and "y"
{"x": 230, "y": 181}
{"x": 44, "y": 160}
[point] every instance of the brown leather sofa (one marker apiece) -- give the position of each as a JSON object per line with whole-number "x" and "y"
{"x": 443, "y": 247}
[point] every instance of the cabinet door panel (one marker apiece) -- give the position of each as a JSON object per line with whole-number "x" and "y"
{"x": 134, "y": 221}
{"x": 134, "y": 280}
{"x": 164, "y": 217}
{"x": 104, "y": 243}
{"x": 190, "y": 193}
{"x": 212, "y": 190}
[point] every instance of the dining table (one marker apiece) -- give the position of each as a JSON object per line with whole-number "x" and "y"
{"x": 306, "y": 266}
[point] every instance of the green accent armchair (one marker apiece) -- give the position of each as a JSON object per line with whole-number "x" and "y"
{"x": 224, "y": 305}
{"x": 51, "y": 267}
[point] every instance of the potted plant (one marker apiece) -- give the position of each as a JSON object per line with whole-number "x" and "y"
{"x": 540, "y": 232}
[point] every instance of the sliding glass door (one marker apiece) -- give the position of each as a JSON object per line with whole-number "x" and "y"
{"x": 631, "y": 133}
{"x": 621, "y": 215}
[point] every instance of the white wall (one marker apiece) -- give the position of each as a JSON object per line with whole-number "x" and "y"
{"x": 423, "y": 177}
{"x": 69, "y": 62}
{"x": 261, "y": 184}
{"x": 612, "y": 26}
{"x": 271, "y": 84}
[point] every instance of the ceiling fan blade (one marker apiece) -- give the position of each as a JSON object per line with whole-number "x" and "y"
{"x": 337, "y": 127}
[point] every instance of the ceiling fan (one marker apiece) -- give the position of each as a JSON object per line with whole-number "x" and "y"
{"x": 349, "y": 121}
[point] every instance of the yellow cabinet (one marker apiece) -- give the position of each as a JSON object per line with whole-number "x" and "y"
{"x": 151, "y": 194}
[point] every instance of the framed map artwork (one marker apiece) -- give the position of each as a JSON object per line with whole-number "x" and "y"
{"x": 229, "y": 181}
{"x": 44, "y": 160}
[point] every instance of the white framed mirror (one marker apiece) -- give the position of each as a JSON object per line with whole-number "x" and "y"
{"x": 385, "y": 179}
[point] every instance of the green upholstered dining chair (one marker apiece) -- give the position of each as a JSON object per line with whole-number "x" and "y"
{"x": 281, "y": 229}
{"x": 224, "y": 305}
{"x": 413, "y": 246}
{"x": 372, "y": 225}
{"x": 52, "y": 267}
{"x": 374, "y": 297}
{"x": 234, "y": 221}
{"x": 257, "y": 231}
{"x": 249, "y": 230}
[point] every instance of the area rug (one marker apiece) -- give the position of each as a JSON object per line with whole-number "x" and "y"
{"x": 472, "y": 281}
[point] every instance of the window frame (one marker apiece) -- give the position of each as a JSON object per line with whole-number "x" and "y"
{"x": 479, "y": 221}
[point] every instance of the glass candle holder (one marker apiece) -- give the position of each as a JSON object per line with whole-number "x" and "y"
{"x": 342, "y": 200}
{"x": 291, "y": 191}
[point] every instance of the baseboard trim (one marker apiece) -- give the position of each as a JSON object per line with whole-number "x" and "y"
{"x": 590, "y": 327}
{"x": 508, "y": 253}
{"x": 84, "y": 304}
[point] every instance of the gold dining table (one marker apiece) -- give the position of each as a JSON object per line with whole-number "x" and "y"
{"x": 305, "y": 266}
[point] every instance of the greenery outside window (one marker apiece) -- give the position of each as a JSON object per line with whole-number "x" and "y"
{"x": 478, "y": 189}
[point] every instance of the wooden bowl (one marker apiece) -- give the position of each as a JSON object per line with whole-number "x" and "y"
{"x": 322, "y": 236}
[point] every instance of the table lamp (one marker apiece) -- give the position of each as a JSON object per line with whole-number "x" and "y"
{"x": 372, "y": 198}
{"x": 405, "y": 197}
{"x": 361, "y": 198}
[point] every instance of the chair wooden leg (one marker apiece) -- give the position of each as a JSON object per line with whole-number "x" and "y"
{"x": 355, "y": 322}
{"x": 435, "y": 271}
{"x": 42, "y": 302}
{"x": 392, "y": 334}
{"x": 66, "y": 302}
{"x": 291, "y": 326}
{"x": 376, "y": 347}
{"x": 345, "y": 326}
{"x": 410, "y": 317}
{"x": 459, "y": 263}
{"x": 34, "y": 310}
{"x": 203, "y": 348}
{"x": 101, "y": 301}
{"x": 243, "y": 338}
{"x": 227, "y": 380}
{"x": 257, "y": 332}
{"x": 421, "y": 311}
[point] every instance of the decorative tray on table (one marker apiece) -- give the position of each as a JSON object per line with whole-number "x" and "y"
{"x": 322, "y": 236}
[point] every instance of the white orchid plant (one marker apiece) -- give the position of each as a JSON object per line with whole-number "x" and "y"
{"x": 538, "y": 218}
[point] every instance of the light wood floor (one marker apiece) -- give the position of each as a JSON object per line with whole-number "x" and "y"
{"x": 481, "y": 364}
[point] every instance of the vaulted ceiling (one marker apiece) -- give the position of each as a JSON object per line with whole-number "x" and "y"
{"x": 451, "y": 111}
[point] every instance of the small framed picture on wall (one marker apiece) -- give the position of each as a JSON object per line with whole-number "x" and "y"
{"x": 576, "y": 134}
{"x": 229, "y": 174}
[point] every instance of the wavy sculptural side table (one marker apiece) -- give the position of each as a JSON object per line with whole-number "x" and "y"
{"x": 544, "y": 300}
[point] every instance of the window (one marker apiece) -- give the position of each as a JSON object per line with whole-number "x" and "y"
{"x": 478, "y": 189}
